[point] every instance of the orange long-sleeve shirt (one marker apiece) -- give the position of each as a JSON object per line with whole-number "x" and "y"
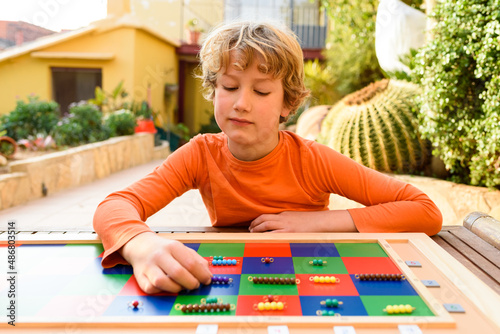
{"x": 298, "y": 175}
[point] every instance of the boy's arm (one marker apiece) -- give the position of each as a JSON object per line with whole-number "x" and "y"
{"x": 119, "y": 220}
{"x": 304, "y": 221}
{"x": 391, "y": 205}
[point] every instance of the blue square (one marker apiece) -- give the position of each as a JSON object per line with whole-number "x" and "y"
{"x": 351, "y": 305}
{"x": 383, "y": 288}
{"x": 95, "y": 268}
{"x": 216, "y": 289}
{"x": 280, "y": 265}
{"x": 327, "y": 249}
{"x": 149, "y": 305}
{"x": 193, "y": 246}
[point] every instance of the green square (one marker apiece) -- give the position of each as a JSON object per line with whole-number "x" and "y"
{"x": 375, "y": 305}
{"x": 251, "y": 289}
{"x": 221, "y": 249}
{"x": 334, "y": 265}
{"x": 82, "y": 250}
{"x": 84, "y": 285}
{"x": 197, "y": 300}
{"x": 372, "y": 249}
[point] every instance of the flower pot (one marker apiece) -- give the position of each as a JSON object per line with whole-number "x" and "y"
{"x": 145, "y": 125}
{"x": 8, "y": 147}
{"x": 193, "y": 36}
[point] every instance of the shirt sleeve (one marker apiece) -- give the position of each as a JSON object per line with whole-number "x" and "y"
{"x": 122, "y": 214}
{"x": 391, "y": 205}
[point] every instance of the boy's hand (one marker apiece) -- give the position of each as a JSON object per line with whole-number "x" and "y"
{"x": 304, "y": 221}
{"x": 165, "y": 265}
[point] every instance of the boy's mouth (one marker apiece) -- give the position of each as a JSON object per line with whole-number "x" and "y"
{"x": 240, "y": 121}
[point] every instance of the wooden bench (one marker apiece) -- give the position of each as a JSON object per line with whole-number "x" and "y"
{"x": 475, "y": 245}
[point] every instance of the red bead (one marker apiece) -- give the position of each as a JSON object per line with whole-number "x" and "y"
{"x": 267, "y": 260}
{"x": 270, "y": 298}
{"x": 135, "y": 304}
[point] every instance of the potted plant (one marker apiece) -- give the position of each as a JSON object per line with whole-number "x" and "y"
{"x": 144, "y": 115}
{"x": 193, "y": 32}
{"x": 177, "y": 135}
{"x": 8, "y": 146}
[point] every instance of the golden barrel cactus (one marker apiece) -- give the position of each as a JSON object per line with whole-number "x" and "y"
{"x": 376, "y": 126}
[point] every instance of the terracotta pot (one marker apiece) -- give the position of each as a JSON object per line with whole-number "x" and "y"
{"x": 7, "y": 141}
{"x": 193, "y": 36}
{"x": 145, "y": 125}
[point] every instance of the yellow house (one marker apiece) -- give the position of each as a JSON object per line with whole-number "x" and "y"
{"x": 145, "y": 45}
{"x": 66, "y": 67}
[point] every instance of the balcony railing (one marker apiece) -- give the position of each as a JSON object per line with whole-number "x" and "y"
{"x": 305, "y": 19}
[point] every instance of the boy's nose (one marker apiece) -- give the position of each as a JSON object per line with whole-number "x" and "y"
{"x": 242, "y": 102}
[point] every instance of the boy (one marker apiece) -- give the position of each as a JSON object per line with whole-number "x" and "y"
{"x": 252, "y": 174}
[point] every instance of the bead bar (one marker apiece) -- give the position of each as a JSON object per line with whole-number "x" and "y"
{"x": 267, "y": 260}
{"x": 317, "y": 262}
{"x": 223, "y": 262}
{"x": 380, "y": 277}
{"x": 269, "y": 306}
{"x": 327, "y": 313}
{"x": 324, "y": 279}
{"x": 331, "y": 303}
{"x": 399, "y": 309}
{"x": 221, "y": 280}
{"x": 200, "y": 308}
{"x": 273, "y": 280}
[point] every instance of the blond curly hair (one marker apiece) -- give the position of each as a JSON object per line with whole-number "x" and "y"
{"x": 276, "y": 47}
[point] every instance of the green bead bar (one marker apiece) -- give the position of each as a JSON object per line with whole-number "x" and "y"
{"x": 212, "y": 300}
{"x": 317, "y": 262}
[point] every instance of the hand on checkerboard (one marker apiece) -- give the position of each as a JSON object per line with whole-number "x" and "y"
{"x": 304, "y": 221}
{"x": 165, "y": 265}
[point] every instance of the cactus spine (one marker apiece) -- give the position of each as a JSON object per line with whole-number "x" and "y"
{"x": 376, "y": 127}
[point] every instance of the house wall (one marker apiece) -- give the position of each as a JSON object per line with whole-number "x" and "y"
{"x": 120, "y": 42}
{"x": 156, "y": 64}
{"x": 197, "y": 110}
{"x": 21, "y": 77}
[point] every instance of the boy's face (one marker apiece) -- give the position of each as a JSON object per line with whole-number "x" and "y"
{"x": 247, "y": 106}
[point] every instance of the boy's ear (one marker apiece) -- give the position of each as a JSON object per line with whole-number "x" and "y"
{"x": 285, "y": 111}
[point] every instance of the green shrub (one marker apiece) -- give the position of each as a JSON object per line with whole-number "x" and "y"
{"x": 83, "y": 125}
{"x": 211, "y": 127}
{"x": 459, "y": 71}
{"x": 320, "y": 80}
{"x": 377, "y": 127}
{"x": 350, "y": 51}
{"x": 121, "y": 123}
{"x": 30, "y": 119}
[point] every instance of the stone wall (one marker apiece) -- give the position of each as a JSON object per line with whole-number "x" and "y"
{"x": 33, "y": 178}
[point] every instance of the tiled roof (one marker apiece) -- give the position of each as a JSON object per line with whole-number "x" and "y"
{"x": 8, "y": 30}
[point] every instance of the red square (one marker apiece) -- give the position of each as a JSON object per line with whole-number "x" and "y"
{"x": 370, "y": 265}
{"x": 345, "y": 287}
{"x": 246, "y": 304}
{"x": 226, "y": 270}
{"x": 131, "y": 288}
{"x": 267, "y": 250}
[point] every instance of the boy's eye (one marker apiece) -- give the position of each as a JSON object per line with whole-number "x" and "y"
{"x": 229, "y": 88}
{"x": 261, "y": 93}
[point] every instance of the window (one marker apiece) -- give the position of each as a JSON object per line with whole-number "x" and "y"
{"x": 74, "y": 84}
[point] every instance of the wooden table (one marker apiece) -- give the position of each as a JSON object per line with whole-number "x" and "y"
{"x": 481, "y": 258}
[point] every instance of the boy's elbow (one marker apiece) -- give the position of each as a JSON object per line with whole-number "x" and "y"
{"x": 435, "y": 223}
